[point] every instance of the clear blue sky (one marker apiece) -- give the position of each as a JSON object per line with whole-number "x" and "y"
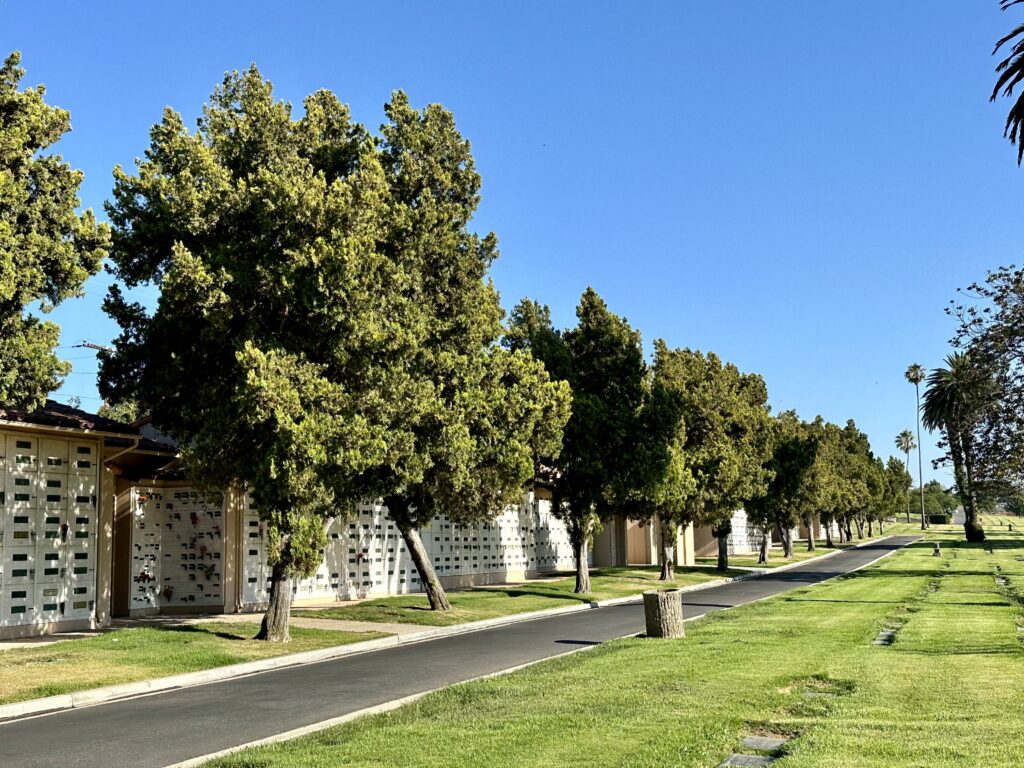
{"x": 799, "y": 187}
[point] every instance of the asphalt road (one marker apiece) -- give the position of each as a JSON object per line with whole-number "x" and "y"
{"x": 166, "y": 728}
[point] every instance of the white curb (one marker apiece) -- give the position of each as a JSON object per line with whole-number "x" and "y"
{"x": 108, "y": 693}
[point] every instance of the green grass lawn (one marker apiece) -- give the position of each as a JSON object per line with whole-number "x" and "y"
{"x": 947, "y": 693}
{"x": 128, "y": 655}
{"x": 1001, "y": 521}
{"x": 491, "y": 602}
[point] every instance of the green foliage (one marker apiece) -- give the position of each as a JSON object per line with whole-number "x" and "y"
{"x": 728, "y": 437}
{"x": 792, "y": 492}
{"x": 1011, "y": 71}
{"x": 261, "y": 232}
{"x": 956, "y": 401}
{"x": 325, "y": 333}
{"x": 596, "y": 468}
{"x": 126, "y": 411}
{"x": 937, "y": 500}
{"x": 47, "y": 250}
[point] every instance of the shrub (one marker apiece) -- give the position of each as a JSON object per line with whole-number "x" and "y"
{"x": 974, "y": 532}
{"x": 939, "y": 518}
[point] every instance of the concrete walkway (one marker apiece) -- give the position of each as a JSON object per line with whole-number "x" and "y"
{"x": 167, "y": 728}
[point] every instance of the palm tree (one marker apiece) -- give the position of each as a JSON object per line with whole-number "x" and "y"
{"x": 905, "y": 442}
{"x": 1011, "y": 72}
{"x": 953, "y": 402}
{"x": 915, "y": 375}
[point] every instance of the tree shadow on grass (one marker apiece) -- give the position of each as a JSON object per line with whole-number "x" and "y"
{"x": 200, "y": 629}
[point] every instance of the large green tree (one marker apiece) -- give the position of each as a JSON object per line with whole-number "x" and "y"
{"x": 661, "y": 484}
{"x": 602, "y": 360}
{"x": 324, "y": 333}
{"x": 898, "y": 482}
{"x": 956, "y": 402}
{"x": 477, "y": 416}
{"x": 47, "y": 249}
{"x": 790, "y": 496}
{"x": 268, "y": 354}
{"x": 727, "y": 439}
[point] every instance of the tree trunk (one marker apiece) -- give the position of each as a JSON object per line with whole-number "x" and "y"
{"x": 762, "y": 555}
{"x": 786, "y": 534}
{"x": 828, "y": 535}
{"x": 723, "y": 551}
{"x": 582, "y": 567}
{"x": 968, "y": 447}
{"x": 871, "y": 528}
{"x": 860, "y": 527}
{"x": 274, "y": 627}
{"x": 842, "y": 533}
{"x": 812, "y": 545}
{"x": 428, "y": 576}
{"x": 881, "y": 527}
{"x": 957, "y": 454}
{"x": 908, "y": 490}
{"x": 920, "y": 471}
{"x": 668, "y": 557}
{"x": 849, "y": 531}
{"x": 663, "y": 612}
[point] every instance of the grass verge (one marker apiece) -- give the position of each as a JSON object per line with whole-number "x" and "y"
{"x": 945, "y": 694}
{"x": 128, "y": 655}
{"x": 492, "y": 602}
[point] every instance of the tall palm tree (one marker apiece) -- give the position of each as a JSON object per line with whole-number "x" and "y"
{"x": 905, "y": 442}
{"x": 1011, "y": 72}
{"x": 915, "y": 375}
{"x": 953, "y": 402}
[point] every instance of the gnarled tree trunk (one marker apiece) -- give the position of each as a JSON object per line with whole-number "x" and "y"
{"x": 274, "y": 627}
{"x": 428, "y": 576}
{"x": 828, "y": 534}
{"x": 871, "y": 528}
{"x": 860, "y": 527}
{"x": 668, "y": 549}
{"x": 762, "y": 553}
{"x": 811, "y": 543}
{"x": 787, "y": 541}
{"x": 399, "y": 510}
{"x": 849, "y": 530}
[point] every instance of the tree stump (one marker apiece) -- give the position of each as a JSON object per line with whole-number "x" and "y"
{"x": 663, "y": 611}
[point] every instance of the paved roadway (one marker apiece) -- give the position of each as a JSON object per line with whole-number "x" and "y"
{"x": 166, "y": 728}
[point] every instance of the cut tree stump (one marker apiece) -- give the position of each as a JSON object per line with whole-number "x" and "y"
{"x": 663, "y": 611}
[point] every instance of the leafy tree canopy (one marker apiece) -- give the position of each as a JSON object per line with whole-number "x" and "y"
{"x": 47, "y": 249}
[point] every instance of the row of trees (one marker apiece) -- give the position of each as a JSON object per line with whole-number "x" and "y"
{"x": 326, "y": 333}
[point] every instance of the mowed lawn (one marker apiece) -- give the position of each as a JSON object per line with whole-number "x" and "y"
{"x": 128, "y": 655}
{"x": 492, "y": 602}
{"x": 949, "y": 691}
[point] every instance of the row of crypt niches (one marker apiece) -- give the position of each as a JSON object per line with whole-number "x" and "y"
{"x": 48, "y": 496}
{"x": 177, "y": 549}
{"x": 366, "y": 555}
